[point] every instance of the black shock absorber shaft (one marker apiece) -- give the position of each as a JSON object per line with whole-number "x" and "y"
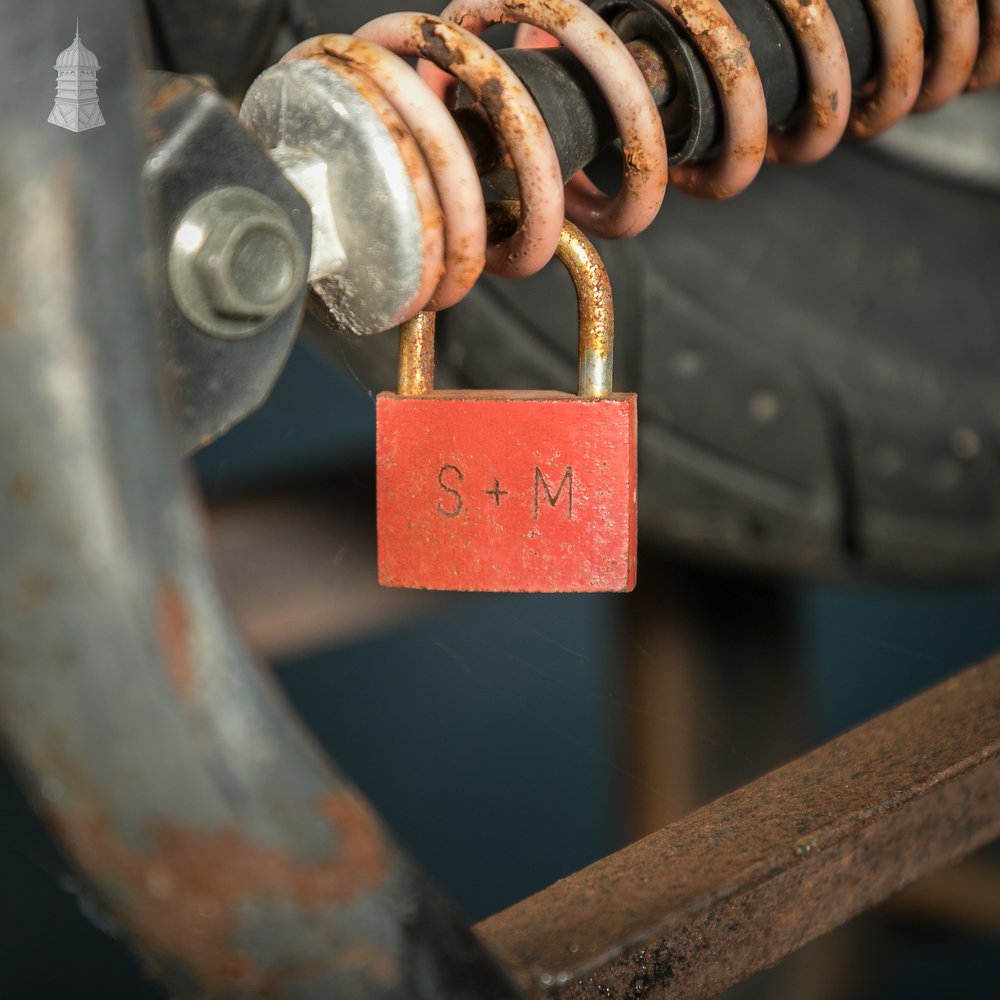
{"x": 580, "y": 120}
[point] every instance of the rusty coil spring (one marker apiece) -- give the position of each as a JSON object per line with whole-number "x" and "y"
{"x": 445, "y": 177}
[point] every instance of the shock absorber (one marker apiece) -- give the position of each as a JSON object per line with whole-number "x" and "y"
{"x": 702, "y": 90}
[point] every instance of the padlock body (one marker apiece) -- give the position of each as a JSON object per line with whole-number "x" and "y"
{"x": 507, "y": 491}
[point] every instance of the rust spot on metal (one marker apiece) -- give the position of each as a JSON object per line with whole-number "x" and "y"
{"x": 485, "y": 145}
{"x": 173, "y": 630}
{"x": 183, "y": 898}
{"x": 749, "y": 150}
{"x": 165, "y": 97}
{"x": 491, "y": 97}
{"x": 557, "y": 13}
{"x": 437, "y": 48}
{"x": 653, "y": 67}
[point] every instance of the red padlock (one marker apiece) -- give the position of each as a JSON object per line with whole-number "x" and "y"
{"x": 511, "y": 491}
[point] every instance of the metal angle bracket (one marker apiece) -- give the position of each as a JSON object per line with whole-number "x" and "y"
{"x": 220, "y": 209}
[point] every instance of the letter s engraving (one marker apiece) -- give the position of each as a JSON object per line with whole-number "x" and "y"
{"x": 458, "y": 503}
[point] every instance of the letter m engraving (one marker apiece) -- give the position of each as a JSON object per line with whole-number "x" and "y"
{"x": 565, "y": 483}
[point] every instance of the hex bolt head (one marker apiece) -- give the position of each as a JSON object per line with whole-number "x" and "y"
{"x": 248, "y": 272}
{"x": 235, "y": 262}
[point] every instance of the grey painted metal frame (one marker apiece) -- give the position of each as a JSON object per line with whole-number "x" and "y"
{"x": 221, "y": 842}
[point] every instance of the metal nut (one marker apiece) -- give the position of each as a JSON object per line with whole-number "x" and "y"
{"x": 235, "y": 262}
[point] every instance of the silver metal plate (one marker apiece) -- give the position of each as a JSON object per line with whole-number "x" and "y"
{"x": 304, "y": 107}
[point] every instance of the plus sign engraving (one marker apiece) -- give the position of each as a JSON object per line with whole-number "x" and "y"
{"x": 76, "y": 106}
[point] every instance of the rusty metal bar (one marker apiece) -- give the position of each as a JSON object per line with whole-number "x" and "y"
{"x": 216, "y": 836}
{"x": 741, "y": 883}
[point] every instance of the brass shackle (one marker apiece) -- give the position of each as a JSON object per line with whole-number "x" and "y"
{"x": 595, "y": 310}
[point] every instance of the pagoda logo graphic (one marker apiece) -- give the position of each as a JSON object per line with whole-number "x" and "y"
{"x": 76, "y": 106}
